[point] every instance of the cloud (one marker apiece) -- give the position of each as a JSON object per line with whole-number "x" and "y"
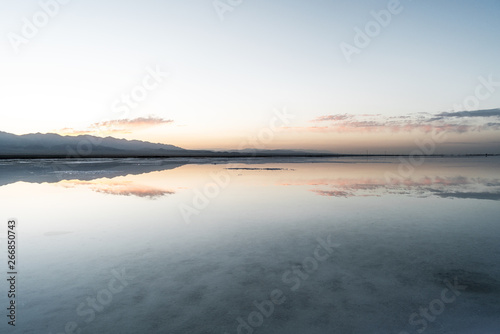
{"x": 338, "y": 117}
{"x": 117, "y": 126}
{"x": 334, "y": 193}
{"x": 475, "y": 113}
{"x": 454, "y": 122}
{"x": 470, "y": 195}
{"x": 136, "y": 122}
{"x": 73, "y": 132}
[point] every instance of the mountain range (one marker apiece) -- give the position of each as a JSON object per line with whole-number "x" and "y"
{"x": 54, "y": 145}
{"x": 51, "y": 145}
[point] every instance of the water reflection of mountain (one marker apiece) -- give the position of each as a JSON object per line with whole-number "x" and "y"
{"x": 51, "y": 171}
{"x": 460, "y": 179}
{"x": 55, "y": 170}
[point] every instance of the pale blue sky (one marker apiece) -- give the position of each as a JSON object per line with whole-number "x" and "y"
{"x": 227, "y": 76}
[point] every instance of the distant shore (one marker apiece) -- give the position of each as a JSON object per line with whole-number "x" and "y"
{"x": 242, "y": 155}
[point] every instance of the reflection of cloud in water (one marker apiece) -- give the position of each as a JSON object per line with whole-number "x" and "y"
{"x": 54, "y": 171}
{"x": 124, "y": 188}
{"x": 445, "y": 187}
{"x": 132, "y": 190}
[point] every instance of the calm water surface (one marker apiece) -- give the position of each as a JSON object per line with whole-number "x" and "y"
{"x": 255, "y": 246}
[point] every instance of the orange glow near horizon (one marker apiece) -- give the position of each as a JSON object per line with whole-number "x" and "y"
{"x": 344, "y": 134}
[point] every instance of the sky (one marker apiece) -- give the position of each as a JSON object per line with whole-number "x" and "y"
{"x": 340, "y": 76}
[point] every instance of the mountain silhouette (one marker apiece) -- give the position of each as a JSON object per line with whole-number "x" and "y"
{"x": 54, "y": 145}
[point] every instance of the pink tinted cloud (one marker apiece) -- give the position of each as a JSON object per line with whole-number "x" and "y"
{"x": 117, "y": 126}
{"x": 456, "y": 122}
{"x": 130, "y": 123}
{"x": 124, "y": 188}
{"x": 338, "y": 117}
